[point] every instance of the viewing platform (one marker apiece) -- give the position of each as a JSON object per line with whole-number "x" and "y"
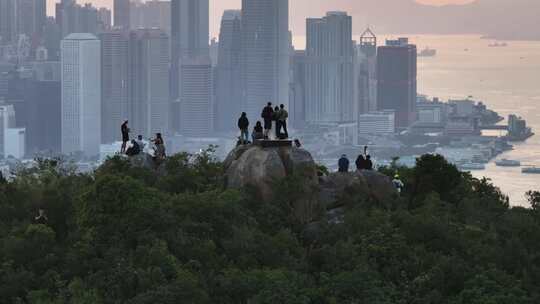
{"x": 269, "y": 143}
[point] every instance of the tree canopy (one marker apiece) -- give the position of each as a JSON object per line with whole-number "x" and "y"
{"x": 126, "y": 234}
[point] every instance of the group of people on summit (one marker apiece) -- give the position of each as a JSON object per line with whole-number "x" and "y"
{"x": 138, "y": 145}
{"x": 271, "y": 116}
{"x": 363, "y": 162}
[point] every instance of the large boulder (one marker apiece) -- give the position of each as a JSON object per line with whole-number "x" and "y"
{"x": 380, "y": 186}
{"x": 253, "y": 165}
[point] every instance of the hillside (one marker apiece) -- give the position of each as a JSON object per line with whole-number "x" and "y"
{"x": 131, "y": 234}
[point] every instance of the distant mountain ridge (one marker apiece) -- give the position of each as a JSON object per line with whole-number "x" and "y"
{"x": 502, "y": 19}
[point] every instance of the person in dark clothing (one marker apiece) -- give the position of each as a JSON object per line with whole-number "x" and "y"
{"x": 343, "y": 164}
{"x": 369, "y": 163}
{"x": 258, "y": 132}
{"x": 282, "y": 118}
{"x": 125, "y": 136}
{"x": 360, "y": 162}
{"x": 243, "y": 125}
{"x": 267, "y": 115}
{"x": 275, "y": 117}
{"x": 42, "y": 218}
{"x": 297, "y": 143}
{"x": 134, "y": 149}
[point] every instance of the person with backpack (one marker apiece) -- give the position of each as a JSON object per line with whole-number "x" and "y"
{"x": 243, "y": 125}
{"x": 398, "y": 183}
{"x": 267, "y": 116}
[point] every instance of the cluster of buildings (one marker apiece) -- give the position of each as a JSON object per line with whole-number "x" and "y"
{"x": 68, "y": 82}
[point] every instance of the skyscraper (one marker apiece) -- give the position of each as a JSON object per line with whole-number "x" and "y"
{"x": 122, "y": 14}
{"x": 81, "y": 94}
{"x": 329, "y": 69}
{"x": 228, "y": 85}
{"x": 189, "y": 34}
{"x": 22, "y": 17}
{"x": 366, "y": 69}
{"x": 396, "y": 80}
{"x": 7, "y": 21}
{"x": 196, "y": 106}
{"x": 151, "y": 14}
{"x": 265, "y": 54}
{"x": 74, "y": 18}
{"x": 7, "y": 121}
{"x": 114, "y": 83}
{"x": 148, "y": 82}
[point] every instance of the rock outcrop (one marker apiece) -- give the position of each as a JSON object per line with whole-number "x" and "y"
{"x": 253, "y": 165}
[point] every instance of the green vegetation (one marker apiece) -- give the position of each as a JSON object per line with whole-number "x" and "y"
{"x": 131, "y": 235}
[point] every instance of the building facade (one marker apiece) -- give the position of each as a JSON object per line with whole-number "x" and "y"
{"x": 81, "y": 94}
{"x": 376, "y": 123}
{"x": 265, "y": 54}
{"x": 396, "y": 80}
{"x": 228, "y": 88}
{"x": 148, "y": 82}
{"x": 122, "y": 14}
{"x": 330, "y": 69}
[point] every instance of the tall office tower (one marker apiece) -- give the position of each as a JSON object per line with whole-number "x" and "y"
{"x": 88, "y": 19}
{"x": 228, "y": 86}
{"x": 31, "y": 17}
{"x": 122, "y": 14}
{"x": 265, "y": 54}
{"x": 329, "y": 69}
{"x": 151, "y": 14}
{"x": 81, "y": 94}
{"x": 396, "y": 80}
{"x": 42, "y": 117}
{"x": 7, "y": 121}
{"x": 297, "y": 102}
{"x": 7, "y": 21}
{"x": 366, "y": 69}
{"x": 51, "y": 38}
{"x": 114, "y": 83}
{"x": 196, "y": 107}
{"x": 104, "y": 19}
{"x": 189, "y": 38}
{"x": 148, "y": 82}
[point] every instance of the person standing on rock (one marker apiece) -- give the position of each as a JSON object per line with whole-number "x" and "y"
{"x": 275, "y": 117}
{"x": 343, "y": 164}
{"x": 243, "y": 125}
{"x": 267, "y": 115}
{"x": 360, "y": 162}
{"x": 369, "y": 163}
{"x": 124, "y": 129}
{"x": 282, "y": 117}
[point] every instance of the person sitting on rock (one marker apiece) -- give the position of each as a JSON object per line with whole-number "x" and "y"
{"x": 398, "y": 183}
{"x": 360, "y": 163}
{"x": 243, "y": 125}
{"x": 258, "y": 132}
{"x": 41, "y": 218}
{"x": 134, "y": 149}
{"x": 159, "y": 147}
{"x": 141, "y": 143}
{"x": 369, "y": 163}
{"x": 267, "y": 115}
{"x": 343, "y": 164}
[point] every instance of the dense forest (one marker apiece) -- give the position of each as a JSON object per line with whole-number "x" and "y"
{"x": 126, "y": 234}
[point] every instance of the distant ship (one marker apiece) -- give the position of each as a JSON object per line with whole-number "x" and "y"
{"x": 427, "y": 52}
{"x": 472, "y": 166}
{"x": 531, "y": 170}
{"x": 508, "y": 163}
{"x": 496, "y": 44}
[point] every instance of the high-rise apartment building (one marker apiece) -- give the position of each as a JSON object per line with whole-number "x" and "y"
{"x": 228, "y": 84}
{"x": 396, "y": 80}
{"x": 114, "y": 83}
{"x": 26, "y": 17}
{"x": 151, "y": 14}
{"x": 266, "y": 54}
{"x": 81, "y": 94}
{"x": 148, "y": 82}
{"x": 366, "y": 69}
{"x": 74, "y": 18}
{"x": 7, "y": 121}
{"x": 196, "y": 106}
{"x": 330, "y": 69}
{"x": 122, "y": 14}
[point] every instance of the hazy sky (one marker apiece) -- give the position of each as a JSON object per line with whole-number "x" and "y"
{"x": 217, "y": 7}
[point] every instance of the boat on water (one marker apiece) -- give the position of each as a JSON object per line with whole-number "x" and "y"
{"x": 472, "y": 167}
{"x": 427, "y": 52}
{"x": 508, "y": 163}
{"x": 497, "y": 44}
{"x": 531, "y": 170}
